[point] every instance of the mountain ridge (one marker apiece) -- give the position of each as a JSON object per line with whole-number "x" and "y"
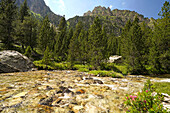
{"x": 39, "y": 7}
{"x": 111, "y": 19}
{"x": 103, "y": 11}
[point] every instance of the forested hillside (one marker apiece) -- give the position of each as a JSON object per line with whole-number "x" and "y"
{"x": 39, "y": 7}
{"x": 89, "y": 40}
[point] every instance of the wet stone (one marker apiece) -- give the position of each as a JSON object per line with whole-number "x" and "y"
{"x": 97, "y": 82}
{"x": 48, "y": 88}
{"x": 46, "y": 101}
{"x": 10, "y": 87}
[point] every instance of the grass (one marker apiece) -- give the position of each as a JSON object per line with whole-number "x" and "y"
{"x": 163, "y": 87}
{"x": 122, "y": 68}
{"x": 112, "y": 71}
{"x": 52, "y": 65}
{"x": 83, "y": 70}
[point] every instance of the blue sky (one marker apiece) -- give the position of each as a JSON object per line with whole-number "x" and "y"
{"x": 71, "y": 8}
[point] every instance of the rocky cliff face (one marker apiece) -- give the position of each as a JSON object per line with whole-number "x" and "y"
{"x": 123, "y": 14}
{"x": 111, "y": 19}
{"x": 99, "y": 11}
{"x": 39, "y": 7}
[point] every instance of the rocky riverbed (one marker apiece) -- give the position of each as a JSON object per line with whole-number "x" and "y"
{"x": 67, "y": 92}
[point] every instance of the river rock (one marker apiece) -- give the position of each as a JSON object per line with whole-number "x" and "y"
{"x": 13, "y": 61}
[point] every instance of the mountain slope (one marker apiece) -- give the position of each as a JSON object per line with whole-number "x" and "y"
{"x": 115, "y": 19}
{"x": 39, "y": 7}
{"x": 123, "y": 14}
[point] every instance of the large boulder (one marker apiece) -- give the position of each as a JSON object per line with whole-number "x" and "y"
{"x": 13, "y": 61}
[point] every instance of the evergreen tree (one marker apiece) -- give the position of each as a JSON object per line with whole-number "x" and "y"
{"x": 52, "y": 34}
{"x": 112, "y": 46}
{"x": 65, "y": 44}
{"x": 62, "y": 24}
{"x": 61, "y": 39}
{"x": 82, "y": 43}
{"x": 104, "y": 42}
{"x": 96, "y": 51}
{"x": 160, "y": 42}
{"x": 47, "y": 56}
{"x": 147, "y": 37}
{"x": 43, "y": 39}
{"x": 29, "y": 31}
{"x": 24, "y": 11}
{"x": 133, "y": 47}
{"x": 8, "y": 13}
{"x": 125, "y": 40}
{"x": 74, "y": 44}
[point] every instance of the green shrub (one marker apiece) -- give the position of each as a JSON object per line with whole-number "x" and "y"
{"x": 145, "y": 101}
{"x": 78, "y": 66}
{"x": 122, "y": 68}
{"x": 28, "y": 52}
{"x": 112, "y": 66}
{"x": 61, "y": 66}
{"x": 83, "y": 70}
{"x": 40, "y": 65}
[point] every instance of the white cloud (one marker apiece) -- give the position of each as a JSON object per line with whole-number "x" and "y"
{"x": 110, "y": 6}
{"x": 123, "y": 3}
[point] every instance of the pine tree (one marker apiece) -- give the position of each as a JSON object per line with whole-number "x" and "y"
{"x": 73, "y": 46}
{"x": 112, "y": 46}
{"x": 8, "y": 14}
{"x": 82, "y": 43}
{"x": 61, "y": 39}
{"x": 96, "y": 46}
{"x": 20, "y": 33}
{"x": 29, "y": 31}
{"x": 24, "y": 11}
{"x": 104, "y": 42}
{"x": 52, "y": 34}
{"x": 43, "y": 39}
{"x": 125, "y": 40}
{"x": 133, "y": 49}
{"x": 160, "y": 42}
{"x": 47, "y": 56}
{"x": 147, "y": 37}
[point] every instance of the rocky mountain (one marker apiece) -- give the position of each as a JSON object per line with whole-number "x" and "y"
{"x": 111, "y": 19}
{"x": 123, "y": 14}
{"x": 39, "y": 7}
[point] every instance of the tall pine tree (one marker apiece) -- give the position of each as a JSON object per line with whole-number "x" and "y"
{"x": 96, "y": 46}
{"x": 159, "y": 52}
{"x": 29, "y": 31}
{"x": 74, "y": 44}
{"x": 24, "y": 11}
{"x": 8, "y": 14}
{"x": 133, "y": 47}
{"x": 61, "y": 39}
{"x": 43, "y": 39}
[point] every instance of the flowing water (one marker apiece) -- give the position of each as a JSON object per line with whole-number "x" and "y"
{"x": 67, "y": 92}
